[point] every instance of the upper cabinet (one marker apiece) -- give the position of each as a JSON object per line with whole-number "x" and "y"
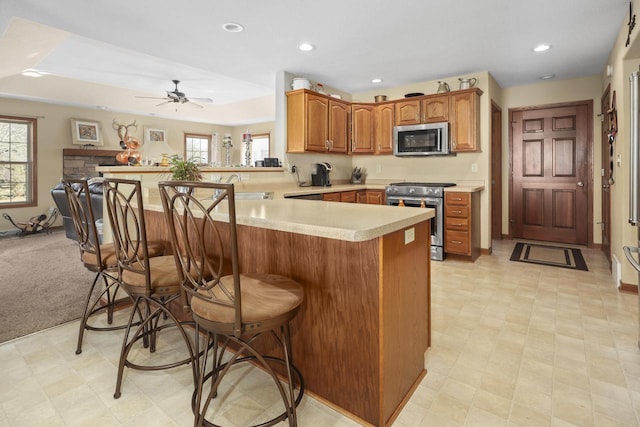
{"x": 383, "y": 124}
{"x": 408, "y": 112}
{"x": 316, "y": 123}
{"x": 435, "y": 109}
{"x": 319, "y": 123}
{"x": 362, "y": 128}
{"x": 464, "y": 120}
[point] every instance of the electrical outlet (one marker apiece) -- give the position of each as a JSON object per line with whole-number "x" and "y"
{"x": 409, "y": 235}
{"x": 378, "y": 168}
{"x": 474, "y": 167}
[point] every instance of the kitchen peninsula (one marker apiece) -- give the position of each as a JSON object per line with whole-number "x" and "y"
{"x": 360, "y": 337}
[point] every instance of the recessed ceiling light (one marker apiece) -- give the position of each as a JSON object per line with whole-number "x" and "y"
{"x": 542, "y": 48}
{"x": 547, "y": 76}
{"x": 376, "y": 80}
{"x": 29, "y": 72}
{"x": 306, "y": 47}
{"x": 232, "y": 27}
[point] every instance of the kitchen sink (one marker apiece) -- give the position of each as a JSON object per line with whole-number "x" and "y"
{"x": 254, "y": 195}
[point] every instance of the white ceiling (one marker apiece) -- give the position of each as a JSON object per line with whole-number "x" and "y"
{"x": 105, "y": 53}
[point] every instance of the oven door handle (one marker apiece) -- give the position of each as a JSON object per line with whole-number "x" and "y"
{"x": 627, "y": 252}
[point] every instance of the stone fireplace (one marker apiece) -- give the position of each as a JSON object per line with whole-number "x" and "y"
{"x": 81, "y": 163}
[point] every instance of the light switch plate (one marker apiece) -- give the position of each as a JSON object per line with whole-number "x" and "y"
{"x": 409, "y": 235}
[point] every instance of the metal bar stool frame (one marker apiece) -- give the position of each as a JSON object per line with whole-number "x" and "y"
{"x": 126, "y": 216}
{"x": 199, "y": 251}
{"x": 93, "y": 255}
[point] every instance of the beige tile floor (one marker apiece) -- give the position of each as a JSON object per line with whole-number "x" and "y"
{"x": 513, "y": 345}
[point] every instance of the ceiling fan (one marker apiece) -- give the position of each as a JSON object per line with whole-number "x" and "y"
{"x": 177, "y": 97}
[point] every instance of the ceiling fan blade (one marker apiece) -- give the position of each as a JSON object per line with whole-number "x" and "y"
{"x": 194, "y": 104}
{"x": 152, "y": 97}
{"x": 209, "y": 100}
{"x": 162, "y": 103}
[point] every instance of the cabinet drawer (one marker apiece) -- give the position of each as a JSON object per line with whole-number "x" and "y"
{"x": 456, "y": 211}
{"x": 457, "y": 242}
{"x": 457, "y": 199}
{"x": 457, "y": 224}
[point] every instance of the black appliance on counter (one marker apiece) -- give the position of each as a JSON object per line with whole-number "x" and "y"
{"x": 321, "y": 177}
{"x": 271, "y": 162}
{"x": 423, "y": 195}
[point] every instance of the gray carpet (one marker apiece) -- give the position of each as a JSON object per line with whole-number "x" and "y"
{"x": 42, "y": 283}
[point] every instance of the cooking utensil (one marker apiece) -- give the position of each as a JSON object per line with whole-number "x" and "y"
{"x": 411, "y": 95}
{"x": 380, "y": 98}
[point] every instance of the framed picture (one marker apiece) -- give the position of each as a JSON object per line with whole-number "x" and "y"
{"x": 152, "y": 135}
{"x": 84, "y": 132}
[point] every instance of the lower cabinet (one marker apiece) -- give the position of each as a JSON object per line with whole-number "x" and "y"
{"x": 462, "y": 224}
{"x": 371, "y": 197}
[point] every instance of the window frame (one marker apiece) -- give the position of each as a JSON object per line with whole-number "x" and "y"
{"x": 201, "y": 136}
{"x": 32, "y": 162}
{"x": 253, "y": 137}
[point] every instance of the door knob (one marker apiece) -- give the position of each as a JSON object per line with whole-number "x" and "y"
{"x": 580, "y": 184}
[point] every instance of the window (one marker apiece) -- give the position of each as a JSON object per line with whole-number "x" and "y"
{"x": 259, "y": 147}
{"x": 196, "y": 148}
{"x": 17, "y": 161}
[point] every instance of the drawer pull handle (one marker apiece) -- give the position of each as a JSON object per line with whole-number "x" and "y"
{"x": 457, "y": 242}
{"x": 458, "y": 212}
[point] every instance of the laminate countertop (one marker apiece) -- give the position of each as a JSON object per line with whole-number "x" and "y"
{"x": 350, "y": 222}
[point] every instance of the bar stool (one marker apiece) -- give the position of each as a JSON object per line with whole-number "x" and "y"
{"x": 231, "y": 308}
{"x": 152, "y": 282}
{"x": 97, "y": 258}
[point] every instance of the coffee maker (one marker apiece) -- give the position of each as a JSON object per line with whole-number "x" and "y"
{"x": 321, "y": 177}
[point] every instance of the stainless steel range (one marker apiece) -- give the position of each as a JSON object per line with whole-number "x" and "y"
{"x": 423, "y": 195}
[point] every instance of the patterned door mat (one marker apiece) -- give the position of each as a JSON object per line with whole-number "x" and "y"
{"x": 555, "y": 256}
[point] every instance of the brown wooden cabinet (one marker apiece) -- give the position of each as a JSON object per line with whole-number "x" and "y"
{"x": 319, "y": 123}
{"x": 371, "y": 197}
{"x": 331, "y": 197}
{"x": 435, "y": 109}
{"x": 408, "y": 112}
{"x": 462, "y": 224}
{"x": 316, "y": 123}
{"x": 362, "y": 128}
{"x": 464, "y": 120}
{"x": 384, "y": 120}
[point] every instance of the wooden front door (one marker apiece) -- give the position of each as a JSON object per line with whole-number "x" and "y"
{"x": 607, "y": 172}
{"x": 550, "y": 173}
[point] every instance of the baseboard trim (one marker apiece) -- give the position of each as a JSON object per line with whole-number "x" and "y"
{"x": 628, "y": 287}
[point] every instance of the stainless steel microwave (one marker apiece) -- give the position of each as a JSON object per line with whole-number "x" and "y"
{"x": 428, "y": 139}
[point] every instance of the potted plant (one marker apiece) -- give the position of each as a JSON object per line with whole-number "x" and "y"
{"x": 184, "y": 170}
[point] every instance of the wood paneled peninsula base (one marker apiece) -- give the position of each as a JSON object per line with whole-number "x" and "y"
{"x": 361, "y": 335}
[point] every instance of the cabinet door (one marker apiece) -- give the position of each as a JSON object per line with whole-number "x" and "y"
{"x": 317, "y": 123}
{"x": 375, "y": 197}
{"x": 436, "y": 109}
{"x": 331, "y": 197}
{"x": 338, "y": 126}
{"x": 348, "y": 197}
{"x": 408, "y": 112}
{"x": 362, "y": 128}
{"x": 384, "y": 122}
{"x": 464, "y": 114}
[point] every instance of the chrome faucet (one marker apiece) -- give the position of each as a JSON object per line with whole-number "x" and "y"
{"x": 232, "y": 176}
